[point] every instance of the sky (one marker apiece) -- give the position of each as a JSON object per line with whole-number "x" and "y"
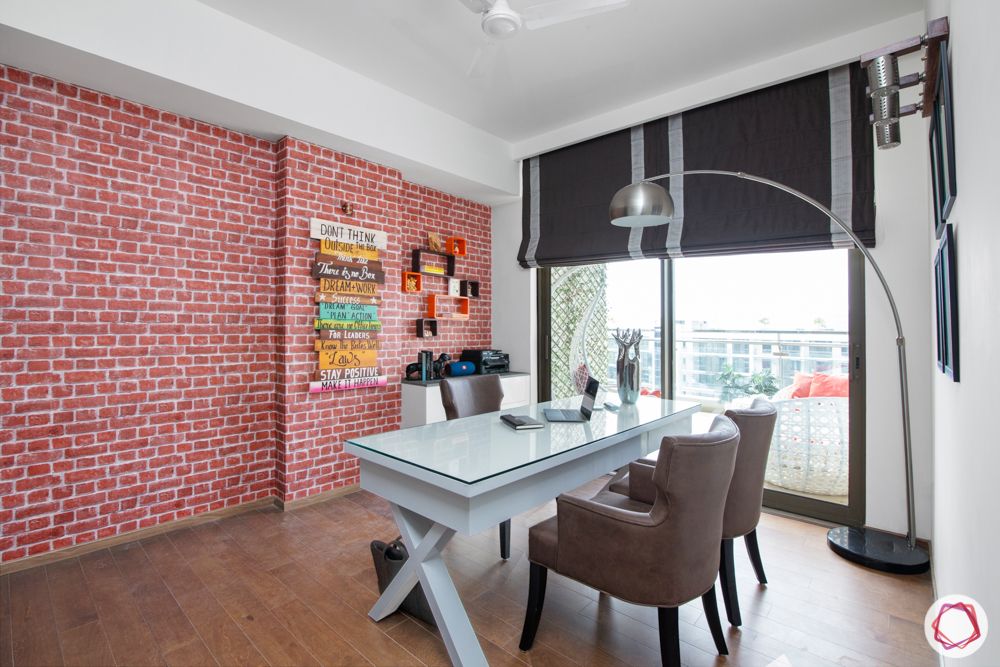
{"x": 790, "y": 290}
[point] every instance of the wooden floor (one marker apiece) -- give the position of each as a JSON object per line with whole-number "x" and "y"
{"x": 293, "y": 588}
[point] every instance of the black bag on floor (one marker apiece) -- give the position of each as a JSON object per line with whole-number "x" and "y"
{"x": 389, "y": 559}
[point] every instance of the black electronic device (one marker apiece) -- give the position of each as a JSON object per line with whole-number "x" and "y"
{"x": 487, "y": 361}
{"x": 586, "y": 406}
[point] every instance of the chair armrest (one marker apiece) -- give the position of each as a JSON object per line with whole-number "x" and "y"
{"x": 606, "y": 547}
{"x": 593, "y": 512}
{"x": 640, "y": 481}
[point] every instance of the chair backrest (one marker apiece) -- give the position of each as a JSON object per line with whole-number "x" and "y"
{"x": 692, "y": 477}
{"x": 756, "y": 426}
{"x": 473, "y": 395}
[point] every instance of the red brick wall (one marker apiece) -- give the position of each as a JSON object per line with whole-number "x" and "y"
{"x": 156, "y": 339}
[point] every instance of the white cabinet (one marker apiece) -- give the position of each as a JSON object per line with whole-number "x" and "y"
{"x": 422, "y": 401}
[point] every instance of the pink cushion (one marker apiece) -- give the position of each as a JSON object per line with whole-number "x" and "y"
{"x": 801, "y": 385}
{"x": 829, "y": 385}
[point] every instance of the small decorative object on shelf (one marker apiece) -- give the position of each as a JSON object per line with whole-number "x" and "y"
{"x": 412, "y": 282}
{"x": 455, "y": 245}
{"x": 469, "y": 288}
{"x": 440, "y": 364}
{"x": 628, "y": 368}
{"x": 434, "y": 242}
{"x": 433, "y": 303}
{"x": 425, "y": 324}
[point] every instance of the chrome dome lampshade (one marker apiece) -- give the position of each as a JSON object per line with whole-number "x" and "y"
{"x": 641, "y": 205}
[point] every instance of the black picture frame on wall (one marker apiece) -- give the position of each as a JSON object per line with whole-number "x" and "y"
{"x": 944, "y": 182}
{"x": 937, "y": 182}
{"x": 946, "y": 291}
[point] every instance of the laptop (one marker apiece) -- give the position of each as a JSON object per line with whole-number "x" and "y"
{"x": 586, "y": 407}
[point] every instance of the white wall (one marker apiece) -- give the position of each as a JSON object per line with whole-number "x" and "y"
{"x": 256, "y": 83}
{"x": 902, "y": 248}
{"x": 966, "y": 445}
{"x": 515, "y": 321}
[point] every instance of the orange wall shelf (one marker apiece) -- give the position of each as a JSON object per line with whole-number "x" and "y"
{"x": 433, "y": 302}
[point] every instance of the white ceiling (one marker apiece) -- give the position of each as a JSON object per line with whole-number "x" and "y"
{"x": 545, "y": 79}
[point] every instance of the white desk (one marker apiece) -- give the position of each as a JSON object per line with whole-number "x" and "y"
{"x": 470, "y": 474}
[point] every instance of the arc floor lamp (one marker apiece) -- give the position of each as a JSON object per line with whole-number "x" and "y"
{"x": 646, "y": 204}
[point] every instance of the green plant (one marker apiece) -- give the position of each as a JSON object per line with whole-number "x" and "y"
{"x": 735, "y": 385}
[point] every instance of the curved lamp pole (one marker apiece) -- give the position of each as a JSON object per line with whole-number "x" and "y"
{"x": 644, "y": 204}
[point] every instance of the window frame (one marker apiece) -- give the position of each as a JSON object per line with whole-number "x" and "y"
{"x": 852, "y": 514}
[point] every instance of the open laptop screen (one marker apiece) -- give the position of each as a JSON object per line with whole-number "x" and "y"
{"x": 589, "y": 396}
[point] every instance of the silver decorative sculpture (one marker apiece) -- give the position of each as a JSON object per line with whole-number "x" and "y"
{"x": 628, "y": 367}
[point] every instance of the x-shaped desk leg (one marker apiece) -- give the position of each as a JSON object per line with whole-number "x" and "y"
{"x": 424, "y": 541}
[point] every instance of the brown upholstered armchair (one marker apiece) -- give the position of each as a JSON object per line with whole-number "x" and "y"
{"x": 756, "y": 426}
{"x": 664, "y": 556}
{"x": 470, "y": 396}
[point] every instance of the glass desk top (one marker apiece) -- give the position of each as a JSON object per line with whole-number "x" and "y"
{"x": 472, "y": 449}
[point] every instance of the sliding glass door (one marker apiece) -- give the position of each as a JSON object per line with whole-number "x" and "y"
{"x": 722, "y": 331}
{"x": 781, "y": 326}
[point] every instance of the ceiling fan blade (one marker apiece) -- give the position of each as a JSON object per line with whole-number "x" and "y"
{"x": 477, "y": 6}
{"x": 560, "y": 11}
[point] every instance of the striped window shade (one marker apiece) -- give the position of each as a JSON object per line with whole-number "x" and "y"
{"x": 811, "y": 134}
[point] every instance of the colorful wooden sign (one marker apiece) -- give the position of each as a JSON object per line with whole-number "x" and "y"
{"x": 347, "y": 358}
{"x": 341, "y": 249}
{"x": 329, "y": 297}
{"x": 349, "y": 272}
{"x": 320, "y": 344}
{"x": 336, "y": 231}
{"x": 353, "y": 383}
{"x": 349, "y": 287}
{"x": 354, "y": 272}
{"x": 345, "y": 335}
{"x": 343, "y": 324}
{"x": 347, "y": 311}
{"x": 346, "y": 259}
{"x": 346, "y": 373}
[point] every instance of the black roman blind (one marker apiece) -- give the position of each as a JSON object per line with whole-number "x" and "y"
{"x": 811, "y": 133}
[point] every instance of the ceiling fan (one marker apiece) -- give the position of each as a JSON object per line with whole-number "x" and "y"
{"x": 500, "y": 21}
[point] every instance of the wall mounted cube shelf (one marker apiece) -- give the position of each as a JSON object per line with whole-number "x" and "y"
{"x": 433, "y": 301}
{"x": 455, "y": 245}
{"x": 469, "y": 288}
{"x": 417, "y": 265}
{"x": 425, "y": 324}
{"x": 412, "y": 282}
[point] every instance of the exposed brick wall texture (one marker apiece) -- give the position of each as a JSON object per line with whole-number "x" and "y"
{"x": 156, "y": 340}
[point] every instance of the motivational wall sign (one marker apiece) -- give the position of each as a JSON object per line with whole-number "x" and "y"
{"x": 348, "y": 287}
{"x": 346, "y": 250}
{"x": 366, "y": 273}
{"x": 347, "y": 359}
{"x": 347, "y": 311}
{"x": 337, "y": 231}
{"x": 346, "y": 324}
{"x": 331, "y": 297}
{"x": 349, "y": 272}
{"x": 320, "y": 344}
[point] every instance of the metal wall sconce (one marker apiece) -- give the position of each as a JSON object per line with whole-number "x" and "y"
{"x": 884, "y": 82}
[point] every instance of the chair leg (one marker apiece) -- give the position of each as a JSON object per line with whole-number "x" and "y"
{"x": 670, "y": 640}
{"x": 754, "y": 552}
{"x": 536, "y": 598}
{"x": 505, "y": 539}
{"x": 727, "y": 579}
{"x": 712, "y": 614}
